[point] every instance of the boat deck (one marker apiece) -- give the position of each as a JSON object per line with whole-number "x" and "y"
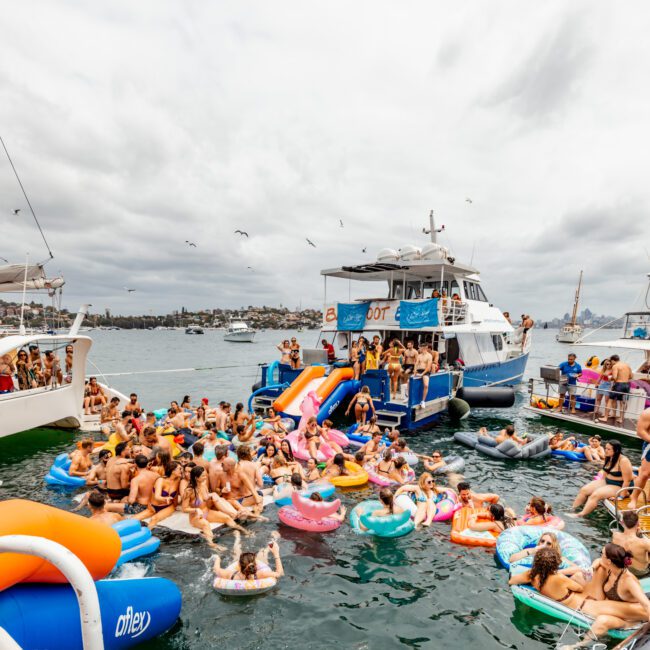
{"x": 586, "y": 419}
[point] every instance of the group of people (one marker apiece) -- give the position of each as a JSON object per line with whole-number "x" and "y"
{"x": 612, "y": 387}
{"x": 28, "y": 368}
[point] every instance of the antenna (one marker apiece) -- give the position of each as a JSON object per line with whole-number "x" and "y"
{"x": 433, "y": 231}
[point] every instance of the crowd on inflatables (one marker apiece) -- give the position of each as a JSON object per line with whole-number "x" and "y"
{"x": 218, "y": 467}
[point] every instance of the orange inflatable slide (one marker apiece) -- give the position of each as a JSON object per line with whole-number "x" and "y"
{"x": 297, "y": 385}
{"x": 97, "y": 545}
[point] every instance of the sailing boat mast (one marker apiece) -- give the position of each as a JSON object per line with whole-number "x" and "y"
{"x": 576, "y": 301}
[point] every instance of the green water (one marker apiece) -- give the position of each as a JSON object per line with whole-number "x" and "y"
{"x": 418, "y": 591}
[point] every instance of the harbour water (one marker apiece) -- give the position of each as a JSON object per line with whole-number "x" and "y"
{"x": 419, "y": 591}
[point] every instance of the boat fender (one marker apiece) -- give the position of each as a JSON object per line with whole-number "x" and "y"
{"x": 487, "y": 397}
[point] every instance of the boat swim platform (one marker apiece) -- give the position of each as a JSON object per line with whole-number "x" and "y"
{"x": 586, "y": 419}
{"x": 616, "y": 508}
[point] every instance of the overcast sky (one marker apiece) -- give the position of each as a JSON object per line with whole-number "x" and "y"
{"x": 138, "y": 125}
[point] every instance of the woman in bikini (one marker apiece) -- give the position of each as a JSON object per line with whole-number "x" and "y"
{"x": 26, "y": 378}
{"x": 354, "y": 359}
{"x": 312, "y": 473}
{"x": 280, "y": 471}
{"x": 251, "y": 566}
{"x": 274, "y": 420}
{"x": 425, "y": 495}
{"x": 294, "y": 354}
{"x": 285, "y": 351}
{"x": 362, "y": 403}
{"x": 363, "y": 349}
{"x": 335, "y": 467}
{"x": 608, "y": 614}
{"x": 198, "y": 422}
{"x": 165, "y": 493}
{"x": 386, "y": 468}
{"x": 604, "y": 386}
{"x": 617, "y": 473}
{"x": 369, "y": 428}
{"x": 538, "y": 512}
{"x": 393, "y": 357}
{"x": 498, "y": 520}
{"x": 312, "y": 437}
{"x": 265, "y": 461}
{"x": 389, "y": 506}
{"x": 550, "y": 540}
{"x": 196, "y": 503}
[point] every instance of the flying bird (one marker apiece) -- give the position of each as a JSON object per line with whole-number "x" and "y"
{"x": 4, "y": 259}
{"x": 16, "y": 211}
{"x": 310, "y": 242}
{"x": 129, "y": 290}
{"x": 242, "y": 232}
{"x": 363, "y": 250}
{"x": 468, "y": 200}
{"x": 250, "y": 268}
{"x": 190, "y": 243}
{"x": 341, "y": 222}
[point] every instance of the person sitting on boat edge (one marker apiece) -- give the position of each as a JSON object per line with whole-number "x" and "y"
{"x": 638, "y": 546}
{"x": 617, "y": 473}
{"x": 572, "y": 370}
{"x": 470, "y": 499}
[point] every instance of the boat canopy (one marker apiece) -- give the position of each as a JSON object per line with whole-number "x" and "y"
{"x": 12, "y": 278}
{"x": 411, "y": 270}
{"x": 621, "y": 344}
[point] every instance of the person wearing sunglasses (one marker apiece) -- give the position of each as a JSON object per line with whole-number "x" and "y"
{"x": 425, "y": 494}
{"x": 434, "y": 462}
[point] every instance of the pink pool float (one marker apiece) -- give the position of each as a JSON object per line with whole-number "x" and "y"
{"x": 312, "y": 516}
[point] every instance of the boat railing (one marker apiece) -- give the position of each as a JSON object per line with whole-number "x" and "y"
{"x": 545, "y": 394}
{"x": 637, "y": 326}
{"x": 452, "y": 312}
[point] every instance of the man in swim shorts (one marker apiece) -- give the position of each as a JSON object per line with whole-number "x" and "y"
{"x": 118, "y": 472}
{"x": 508, "y": 433}
{"x": 141, "y": 489}
{"x": 572, "y": 371}
{"x": 621, "y": 377}
{"x": 639, "y": 546}
{"x": 410, "y": 357}
{"x": 81, "y": 462}
{"x": 643, "y": 432}
{"x": 423, "y": 366}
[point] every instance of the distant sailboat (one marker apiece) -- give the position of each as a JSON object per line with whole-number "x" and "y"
{"x": 572, "y": 331}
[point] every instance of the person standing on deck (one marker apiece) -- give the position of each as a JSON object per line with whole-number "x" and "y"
{"x": 643, "y": 432}
{"x": 423, "y": 366}
{"x": 621, "y": 377}
{"x": 527, "y": 323}
{"x": 572, "y": 371}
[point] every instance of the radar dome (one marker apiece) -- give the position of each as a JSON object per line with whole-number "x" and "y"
{"x": 434, "y": 252}
{"x": 387, "y": 255}
{"x": 410, "y": 253}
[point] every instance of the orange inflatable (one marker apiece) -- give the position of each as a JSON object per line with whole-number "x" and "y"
{"x": 461, "y": 534}
{"x": 97, "y": 545}
{"x": 333, "y": 380}
{"x": 309, "y": 373}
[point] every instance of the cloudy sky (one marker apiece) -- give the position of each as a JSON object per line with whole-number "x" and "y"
{"x": 138, "y": 125}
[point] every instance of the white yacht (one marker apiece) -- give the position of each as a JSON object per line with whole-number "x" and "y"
{"x": 60, "y": 403}
{"x": 239, "y": 332}
{"x": 572, "y": 331}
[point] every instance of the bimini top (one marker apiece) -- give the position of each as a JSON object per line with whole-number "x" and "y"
{"x": 411, "y": 270}
{"x": 636, "y": 334}
{"x": 12, "y": 278}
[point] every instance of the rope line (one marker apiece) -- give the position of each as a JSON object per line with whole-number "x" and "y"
{"x": 153, "y": 372}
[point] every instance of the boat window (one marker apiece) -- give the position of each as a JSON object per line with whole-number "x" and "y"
{"x": 455, "y": 288}
{"x": 480, "y": 295}
{"x": 440, "y": 286}
{"x": 497, "y": 339}
{"x": 413, "y": 290}
{"x": 398, "y": 290}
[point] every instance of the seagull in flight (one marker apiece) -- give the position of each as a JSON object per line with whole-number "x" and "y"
{"x": 129, "y": 290}
{"x": 363, "y": 250}
{"x": 341, "y": 222}
{"x": 468, "y": 200}
{"x": 243, "y": 233}
{"x": 310, "y": 242}
{"x": 16, "y": 211}
{"x": 250, "y": 268}
{"x": 190, "y": 243}
{"x": 4, "y": 259}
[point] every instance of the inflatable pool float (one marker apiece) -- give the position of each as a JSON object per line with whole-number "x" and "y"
{"x": 461, "y": 534}
{"x": 390, "y": 526}
{"x": 283, "y": 493}
{"x": 516, "y": 539}
{"x": 552, "y": 521}
{"x": 243, "y": 587}
{"x": 137, "y": 541}
{"x": 408, "y": 456}
{"x": 58, "y": 474}
{"x": 357, "y": 476}
{"x": 570, "y": 455}
{"x": 132, "y": 611}
{"x": 358, "y": 440}
{"x": 312, "y": 516}
{"x": 452, "y": 464}
{"x": 445, "y": 508}
{"x": 506, "y": 450}
{"x": 382, "y": 480}
{"x": 96, "y": 545}
{"x": 300, "y": 450}
{"x": 531, "y": 597}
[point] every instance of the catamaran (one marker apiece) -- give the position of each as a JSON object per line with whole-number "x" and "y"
{"x": 431, "y": 298}
{"x": 572, "y": 331}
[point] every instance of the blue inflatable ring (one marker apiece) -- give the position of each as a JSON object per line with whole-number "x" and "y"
{"x": 390, "y": 526}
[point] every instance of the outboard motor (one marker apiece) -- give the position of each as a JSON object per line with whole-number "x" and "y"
{"x": 489, "y": 397}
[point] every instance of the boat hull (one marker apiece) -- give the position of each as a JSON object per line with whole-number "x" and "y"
{"x": 239, "y": 337}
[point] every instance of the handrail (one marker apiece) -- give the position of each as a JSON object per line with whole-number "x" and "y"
{"x": 283, "y": 386}
{"x": 76, "y": 574}
{"x": 628, "y": 489}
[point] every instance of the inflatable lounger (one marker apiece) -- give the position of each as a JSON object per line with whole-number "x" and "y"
{"x": 506, "y": 450}
{"x": 47, "y": 616}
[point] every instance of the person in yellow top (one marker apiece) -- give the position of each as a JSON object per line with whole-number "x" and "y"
{"x": 372, "y": 357}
